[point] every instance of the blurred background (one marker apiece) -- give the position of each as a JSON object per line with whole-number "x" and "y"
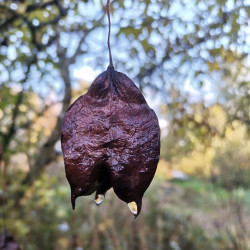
{"x": 191, "y": 61}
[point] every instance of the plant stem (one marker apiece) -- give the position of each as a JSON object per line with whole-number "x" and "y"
{"x": 108, "y": 13}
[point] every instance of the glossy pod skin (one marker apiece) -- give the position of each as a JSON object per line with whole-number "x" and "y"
{"x": 111, "y": 138}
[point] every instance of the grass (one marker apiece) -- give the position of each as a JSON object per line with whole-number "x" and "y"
{"x": 189, "y": 214}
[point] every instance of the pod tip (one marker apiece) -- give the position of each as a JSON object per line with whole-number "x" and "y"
{"x": 99, "y": 199}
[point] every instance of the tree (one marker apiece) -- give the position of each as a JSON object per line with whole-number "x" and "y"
{"x": 161, "y": 44}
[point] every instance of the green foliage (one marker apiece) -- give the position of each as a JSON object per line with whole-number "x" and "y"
{"x": 45, "y": 220}
{"x": 233, "y": 166}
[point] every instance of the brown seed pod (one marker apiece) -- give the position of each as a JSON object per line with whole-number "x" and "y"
{"x": 111, "y": 138}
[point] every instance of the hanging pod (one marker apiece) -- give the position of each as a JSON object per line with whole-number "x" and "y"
{"x": 111, "y": 139}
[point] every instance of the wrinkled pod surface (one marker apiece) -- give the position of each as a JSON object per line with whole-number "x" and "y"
{"x": 111, "y": 139}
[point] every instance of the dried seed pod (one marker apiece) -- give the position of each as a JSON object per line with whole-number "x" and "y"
{"x": 111, "y": 138}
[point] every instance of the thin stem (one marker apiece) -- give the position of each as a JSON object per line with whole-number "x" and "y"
{"x": 108, "y": 13}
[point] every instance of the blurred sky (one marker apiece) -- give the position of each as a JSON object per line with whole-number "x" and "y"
{"x": 83, "y": 69}
{"x": 87, "y": 73}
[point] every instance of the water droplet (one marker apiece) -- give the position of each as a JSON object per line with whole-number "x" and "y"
{"x": 133, "y": 207}
{"x": 99, "y": 200}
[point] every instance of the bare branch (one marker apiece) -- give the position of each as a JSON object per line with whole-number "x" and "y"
{"x": 72, "y": 59}
{"x": 7, "y": 137}
{"x": 46, "y": 152}
{"x": 40, "y": 5}
{"x": 33, "y": 29}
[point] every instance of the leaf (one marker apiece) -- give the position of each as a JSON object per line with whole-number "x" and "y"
{"x": 198, "y": 73}
{"x": 213, "y": 66}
